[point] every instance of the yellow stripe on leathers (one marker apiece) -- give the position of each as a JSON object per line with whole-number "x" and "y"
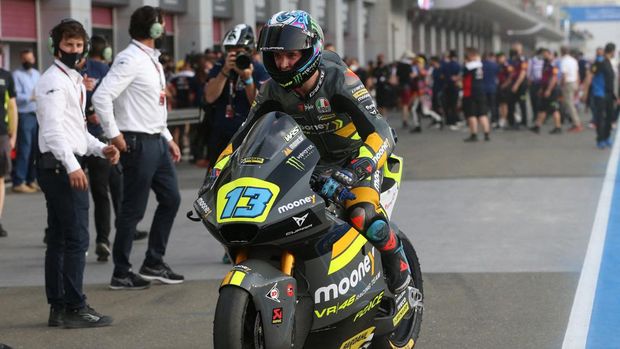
{"x": 345, "y": 250}
{"x": 347, "y": 131}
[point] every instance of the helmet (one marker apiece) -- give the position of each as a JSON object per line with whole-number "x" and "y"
{"x": 289, "y": 31}
{"x": 241, "y": 35}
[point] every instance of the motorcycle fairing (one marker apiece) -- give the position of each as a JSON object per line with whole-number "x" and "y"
{"x": 273, "y": 294}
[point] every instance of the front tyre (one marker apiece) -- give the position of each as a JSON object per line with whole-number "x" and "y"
{"x": 237, "y": 324}
{"x": 406, "y": 334}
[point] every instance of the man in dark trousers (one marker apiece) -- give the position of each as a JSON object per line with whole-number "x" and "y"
{"x": 602, "y": 78}
{"x": 63, "y": 143}
{"x": 131, "y": 103}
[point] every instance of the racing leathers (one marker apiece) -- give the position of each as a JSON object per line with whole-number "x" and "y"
{"x": 340, "y": 117}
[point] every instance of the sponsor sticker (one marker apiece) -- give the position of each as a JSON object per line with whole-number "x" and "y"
{"x": 322, "y": 105}
{"x": 273, "y": 293}
{"x": 276, "y": 316}
{"x": 252, "y": 161}
{"x": 290, "y": 291}
{"x": 297, "y": 203}
{"x": 206, "y": 210}
{"x": 292, "y": 133}
{"x": 360, "y": 340}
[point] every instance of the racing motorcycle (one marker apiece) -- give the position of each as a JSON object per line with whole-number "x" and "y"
{"x": 302, "y": 276}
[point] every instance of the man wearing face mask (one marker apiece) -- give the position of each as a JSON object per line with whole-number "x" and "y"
{"x": 131, "y": 104}
{"x": 26, "y": 78}
{"x": 63, "y": 144}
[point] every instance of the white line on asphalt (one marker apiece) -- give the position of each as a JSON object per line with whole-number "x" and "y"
{"x": 579, "y": 321}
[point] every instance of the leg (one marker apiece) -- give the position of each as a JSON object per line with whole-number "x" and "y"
{"x": 568, "y": 91}
{"x": 414, "y": 114}
{"x": 26, "y": 124}
{"x": 166, "y": 189}
{"x": 139, "y": 165}
{"x": 34, "y": 149}
{"x": 98, "y": 172}
{"x": 368, "y": 217}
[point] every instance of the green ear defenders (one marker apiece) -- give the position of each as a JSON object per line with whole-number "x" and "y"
{"x": 52, "y": 38}
{"x": 107, "y": 54}
{"x": 157, "y": 29}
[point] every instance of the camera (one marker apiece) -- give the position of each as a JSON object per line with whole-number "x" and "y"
{"x": 243, "y": 61}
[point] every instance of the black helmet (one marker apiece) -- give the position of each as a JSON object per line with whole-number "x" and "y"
{"x": 241, "y": 35}
{"x": 290, "y": 31}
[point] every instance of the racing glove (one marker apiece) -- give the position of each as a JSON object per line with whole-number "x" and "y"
{"x": 209, "y": 181}
{"x": 336, "y": 191}
{"x": 357, "y": 170}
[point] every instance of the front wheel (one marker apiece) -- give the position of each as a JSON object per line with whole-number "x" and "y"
{"x": 406, "y": 334}
{"x": 237, "y": 324}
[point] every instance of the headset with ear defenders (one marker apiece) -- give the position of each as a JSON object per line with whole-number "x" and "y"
{"x": 157, "y": 29}
{"x": 107, "y": 54}
{"x": 51, "y": 44}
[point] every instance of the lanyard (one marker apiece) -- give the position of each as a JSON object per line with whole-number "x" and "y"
{"x": 161, "y": 82}
{"x": 80, "y": 87}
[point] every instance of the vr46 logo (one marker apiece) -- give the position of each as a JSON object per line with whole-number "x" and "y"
{"x": 335, "y": 308}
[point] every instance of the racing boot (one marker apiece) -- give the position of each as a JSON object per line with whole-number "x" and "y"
{"x": 395, "y": 263}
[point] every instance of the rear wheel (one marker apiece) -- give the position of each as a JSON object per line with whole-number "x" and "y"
{"x": 406, "y": 334}
{"x": 237, "y": 324}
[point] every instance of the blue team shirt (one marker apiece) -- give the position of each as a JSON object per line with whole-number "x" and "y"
{"x": 598, "y": 80}
{"x": 96, "y": 70}
{"x": 490, "y": 70}
{"x": 450, "y": 69}
{"x": 239, "y": 101}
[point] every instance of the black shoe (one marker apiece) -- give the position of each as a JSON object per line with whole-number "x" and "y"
{"x": 102, "y": 251}
{"x": 555, "y": 131}
{"x": 416, "y": 129}
{"x": 471, "y": 138}
{"x": 3, "y": 232}
{"x": 57, "y": 313}
{"x": 535, "y": 129}
{"x": 129, "y": 282}
{"x": 85, "y": 317}
{"x": 487, "y": 137}
{"x": 140, "y": 235}
{"x": 161, "y": 273}
{"x": 405, "y": 125}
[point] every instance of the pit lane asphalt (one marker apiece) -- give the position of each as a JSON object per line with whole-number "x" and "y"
{"x": 501, "y": 229}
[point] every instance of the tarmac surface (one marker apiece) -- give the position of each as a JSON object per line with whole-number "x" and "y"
{"x": 501, "y": 229}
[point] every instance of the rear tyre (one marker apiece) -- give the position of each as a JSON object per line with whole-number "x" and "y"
{"x": 237, "y": 324}
{"x": 406, "y": 334}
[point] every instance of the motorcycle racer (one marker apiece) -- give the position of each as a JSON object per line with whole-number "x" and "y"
{"x": 336, "y": 112}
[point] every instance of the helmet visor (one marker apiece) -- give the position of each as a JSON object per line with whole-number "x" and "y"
{"x": 283, "y": 38}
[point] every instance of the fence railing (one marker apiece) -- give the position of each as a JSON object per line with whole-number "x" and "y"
{"x": 182, "y": 116}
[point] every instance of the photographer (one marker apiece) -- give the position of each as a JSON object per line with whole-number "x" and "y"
{"x": 231, "y": 87}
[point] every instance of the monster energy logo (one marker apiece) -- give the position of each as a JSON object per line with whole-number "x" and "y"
{"x": 296, "y": 163}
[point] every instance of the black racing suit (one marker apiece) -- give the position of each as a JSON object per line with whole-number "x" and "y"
{"x": 340, "y": 117}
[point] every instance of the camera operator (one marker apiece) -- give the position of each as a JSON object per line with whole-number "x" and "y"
{"x": 231, "y": 87}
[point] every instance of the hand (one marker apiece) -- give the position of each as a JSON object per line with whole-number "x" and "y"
{"x": 332, "y": 189}
{"x": 230, "y": 62}
{"x": 174, "y": 151}
{"x": 514, "y": 89}
{"x": 209, "y": 181}
{"x": 245, "y": 73}
{"x": 77, "y": 180}
{"x": 89, "y": 83}
{"x": 112, "y": 154}
{"x": 119, "y": 142}
{"x": 547, "y": 94}
{"x": 93, "y": 119}
{"x": 13, "y": 140}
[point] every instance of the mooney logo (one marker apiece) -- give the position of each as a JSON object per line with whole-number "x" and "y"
{"x": 297, "y": 203}
{"x": 300, "y": 220}
{"x": 380, "y": 152}
{"x": 335, "y": 290}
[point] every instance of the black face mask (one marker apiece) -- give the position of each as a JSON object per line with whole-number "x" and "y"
{"x": 69, "y": 59}
{"x": 27, "y": 65}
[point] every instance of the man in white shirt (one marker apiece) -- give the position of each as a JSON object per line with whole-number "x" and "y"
{"x": 63, "y": 143}
{"x": 131, "y": 103}
{"x": 570, "y": 83}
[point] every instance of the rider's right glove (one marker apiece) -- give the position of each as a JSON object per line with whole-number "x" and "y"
{"x": 333, "y": 189}
{"x": 209, "y": 181}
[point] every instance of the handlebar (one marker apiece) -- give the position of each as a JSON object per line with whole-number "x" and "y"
{"x": 323, "y": 179}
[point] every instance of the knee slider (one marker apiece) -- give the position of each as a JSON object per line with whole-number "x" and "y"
{"x": 378, "y": 231}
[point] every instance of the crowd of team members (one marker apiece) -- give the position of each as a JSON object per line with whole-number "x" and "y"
{"x": 493, "y": 90}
